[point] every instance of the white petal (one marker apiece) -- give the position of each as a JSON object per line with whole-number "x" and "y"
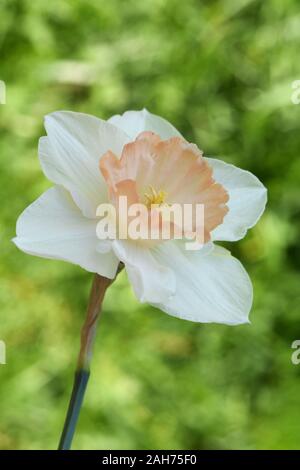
{"x": 151, "y": 281}
{"x": 210, "y": 288}
{"x": 247, "y": 200}
{"x": 53, "y": 227}
{"x": 135, "y": 122}
{"x": 70, "y": 155}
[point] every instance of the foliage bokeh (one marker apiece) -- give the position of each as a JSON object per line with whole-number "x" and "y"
{"x": 221, "y": 72}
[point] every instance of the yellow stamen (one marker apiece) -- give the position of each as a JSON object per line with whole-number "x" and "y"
{"x": 154, "y": 197}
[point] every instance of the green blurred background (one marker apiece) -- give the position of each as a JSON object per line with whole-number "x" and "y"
{"x": 222, "y": 73}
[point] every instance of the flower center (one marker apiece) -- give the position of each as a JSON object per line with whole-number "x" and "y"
{"x": 154, "y": 197}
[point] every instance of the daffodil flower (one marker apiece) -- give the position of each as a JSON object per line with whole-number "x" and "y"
{"x": 142, "y": 156}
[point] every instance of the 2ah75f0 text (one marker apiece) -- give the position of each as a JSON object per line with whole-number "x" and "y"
{"x": 150, "y": 459}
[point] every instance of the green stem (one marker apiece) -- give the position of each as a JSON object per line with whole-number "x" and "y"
{"x": 82, "y": 373}
{"x": 79, "y": 387}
